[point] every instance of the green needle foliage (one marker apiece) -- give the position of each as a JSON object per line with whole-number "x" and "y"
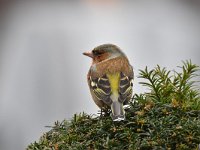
{"x": 173, "y": 87}
{"x": 166, "y": 117}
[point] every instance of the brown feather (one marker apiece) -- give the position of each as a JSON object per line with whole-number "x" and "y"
{"x": 119, "y": 64}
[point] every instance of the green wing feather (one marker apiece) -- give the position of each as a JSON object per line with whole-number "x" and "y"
{"x": 125, "y": 87}
{"x": 101, "y": 88}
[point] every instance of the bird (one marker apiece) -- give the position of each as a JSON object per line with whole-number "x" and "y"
{"x": 110, "y": 79}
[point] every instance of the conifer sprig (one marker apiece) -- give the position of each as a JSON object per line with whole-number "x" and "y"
{"x": 172, "y": 86}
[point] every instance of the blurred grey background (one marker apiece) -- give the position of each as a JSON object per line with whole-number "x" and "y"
{"x": 43, "y": 71}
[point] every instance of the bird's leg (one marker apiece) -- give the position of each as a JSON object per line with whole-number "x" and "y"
{"x": 101, "y": 113}
{"x": 106, "y": 112}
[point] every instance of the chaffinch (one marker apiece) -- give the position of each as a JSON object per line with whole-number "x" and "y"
{"x": 110, "y": 79}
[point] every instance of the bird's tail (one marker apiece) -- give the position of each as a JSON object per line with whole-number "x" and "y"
{"x": 118, "y": 112}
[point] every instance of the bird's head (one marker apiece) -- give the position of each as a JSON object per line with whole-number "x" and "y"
{"x": 104, "y": 52}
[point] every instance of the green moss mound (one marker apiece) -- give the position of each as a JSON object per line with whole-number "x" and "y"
{"x": 166, "y": 117}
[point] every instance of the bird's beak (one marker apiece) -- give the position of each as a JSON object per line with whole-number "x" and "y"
{"x": 89, "y": 54}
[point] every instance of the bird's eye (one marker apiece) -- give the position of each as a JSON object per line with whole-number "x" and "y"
{"x": 96, "y": 52}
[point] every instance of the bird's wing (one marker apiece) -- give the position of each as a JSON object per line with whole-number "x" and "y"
{"x": 125, "y": 87}
{"x": 101, "y": 88}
